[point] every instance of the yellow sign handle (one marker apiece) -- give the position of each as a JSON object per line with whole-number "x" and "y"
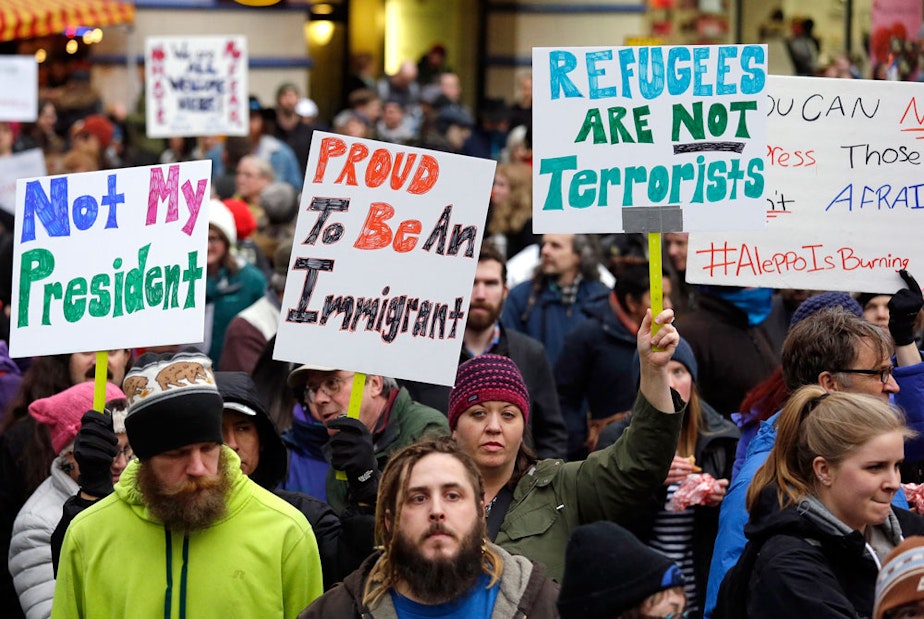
{"x": 99, "y": 380}
{"x": 356, "y": 399}
{"x": 655, "y": 278}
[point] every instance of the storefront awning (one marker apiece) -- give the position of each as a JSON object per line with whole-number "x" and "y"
{"x": 23, "y": 19}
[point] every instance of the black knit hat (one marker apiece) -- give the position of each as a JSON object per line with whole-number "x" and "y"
{"x": 609, "y": 571}
{"x": 172, "y": 403}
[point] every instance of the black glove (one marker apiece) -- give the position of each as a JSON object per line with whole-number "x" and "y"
{"x": 903, "y": 310}
{"x": 352, "y": 453}
{"x": 95, "y": 448}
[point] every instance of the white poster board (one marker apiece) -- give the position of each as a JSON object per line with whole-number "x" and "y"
{"x": 621, "y": 127}
{"x": 386, "y": 245}
{"x": 27, "y": 164}
{"x": 845, "y": 194}
{"x": 18, "y": 88}
{"x": 110, "y": 259}
{"x": 196, "y": 86}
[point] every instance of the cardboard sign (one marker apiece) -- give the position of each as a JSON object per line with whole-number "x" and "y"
{"x": 196, "y": 86}
{"x": 680, "y": 128}
{"x": 386, "y": 245}
{"x": 110, "y": 259}
{"x": 26, "y": 164}
{"x": 18, "y": 88}
{"x": 845, "y": 198}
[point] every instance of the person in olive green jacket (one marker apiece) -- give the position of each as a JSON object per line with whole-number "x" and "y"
{"x": 389, "y": 420}
{"x": 533, "y": 505}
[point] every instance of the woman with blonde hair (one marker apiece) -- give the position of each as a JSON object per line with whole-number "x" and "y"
{"x": 510, "y": 213}
{"x": 821, "y": 518}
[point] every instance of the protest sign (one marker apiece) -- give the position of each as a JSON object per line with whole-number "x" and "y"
{"x": 196, "y": 86}
{"x": 681, "y": 128}
{"x": 18, "y": 88}
{"x": 110, "y": 259}
{"x": 27, "y": 164}
{"x": 893, "y": 29}
{"x": 844, "y": 201}
{"x": 386, "y": 246}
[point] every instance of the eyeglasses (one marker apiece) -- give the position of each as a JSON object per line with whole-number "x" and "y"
{"x": 682, "y": 615}
{"x": 884, "y": 374}
{"x": 126, "y": 452}
{"x": 331, "y": 386}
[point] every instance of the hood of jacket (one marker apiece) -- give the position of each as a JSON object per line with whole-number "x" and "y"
{"x": 239, "y": 393}
{"x": 307, "y": 438}
{"x": 513, "y": 584}
{"x": 810, "y": 519}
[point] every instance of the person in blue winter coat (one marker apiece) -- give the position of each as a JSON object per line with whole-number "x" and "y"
{"x": 549, "y": 305}
{"x": 821, "y": 520}
{"x": 839, "y": 351}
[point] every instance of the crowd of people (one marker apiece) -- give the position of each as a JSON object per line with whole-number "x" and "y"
{"x": 738, "y": 453}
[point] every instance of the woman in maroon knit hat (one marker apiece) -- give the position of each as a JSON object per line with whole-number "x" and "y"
{"x": 534, "y": 505}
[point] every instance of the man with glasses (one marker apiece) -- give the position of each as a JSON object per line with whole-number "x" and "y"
{"x": 388, "y": 421}
{"x": 839, "y": 351}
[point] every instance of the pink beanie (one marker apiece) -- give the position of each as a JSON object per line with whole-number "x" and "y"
{"x": 487, "y": 378}
{"x": 62, "y": 411}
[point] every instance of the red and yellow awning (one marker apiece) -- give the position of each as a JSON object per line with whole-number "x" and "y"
{"x": 23, "y": 19}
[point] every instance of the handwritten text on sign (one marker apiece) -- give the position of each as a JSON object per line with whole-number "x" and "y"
{"x": 18, "y": 88}
{"x": 111, "y": 259}
{"x": 387, "y": 242}
{"x": 648, "y": 126}
{"x": 196, "y": 86}
{"x": 845, "y": 199}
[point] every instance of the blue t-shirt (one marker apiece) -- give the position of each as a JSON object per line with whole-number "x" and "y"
{"x": 478, "y": 602}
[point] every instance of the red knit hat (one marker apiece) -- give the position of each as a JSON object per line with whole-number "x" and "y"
{"x": 488, "y": 378}
{"x": 62, "y": 411}
{"x": 244, "y": 221}
{"x": 98, "y": 125}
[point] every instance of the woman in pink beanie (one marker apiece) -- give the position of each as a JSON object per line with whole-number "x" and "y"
{"x": 533, "y": 505}
{"x": 30, "y": 548}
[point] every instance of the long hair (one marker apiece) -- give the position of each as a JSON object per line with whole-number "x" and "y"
{"x": 392, "y": 489}
{"x": 689, "y": 430}
{"x": 510, "y": 216}
{"x": 817, "y": 423}
{"x": 46, "y": 376}
{"x": 767, "y": 397}
{"x": 526, "y": 458}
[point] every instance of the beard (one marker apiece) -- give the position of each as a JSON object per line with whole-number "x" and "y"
{"x": 188, "y": 506}
{"x": 434, "y": 581}
{"x": 480, "y": 322}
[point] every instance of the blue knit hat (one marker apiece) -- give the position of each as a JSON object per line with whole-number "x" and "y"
{"x": 824, "y": 301}
{"x": 683, "y": 354}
